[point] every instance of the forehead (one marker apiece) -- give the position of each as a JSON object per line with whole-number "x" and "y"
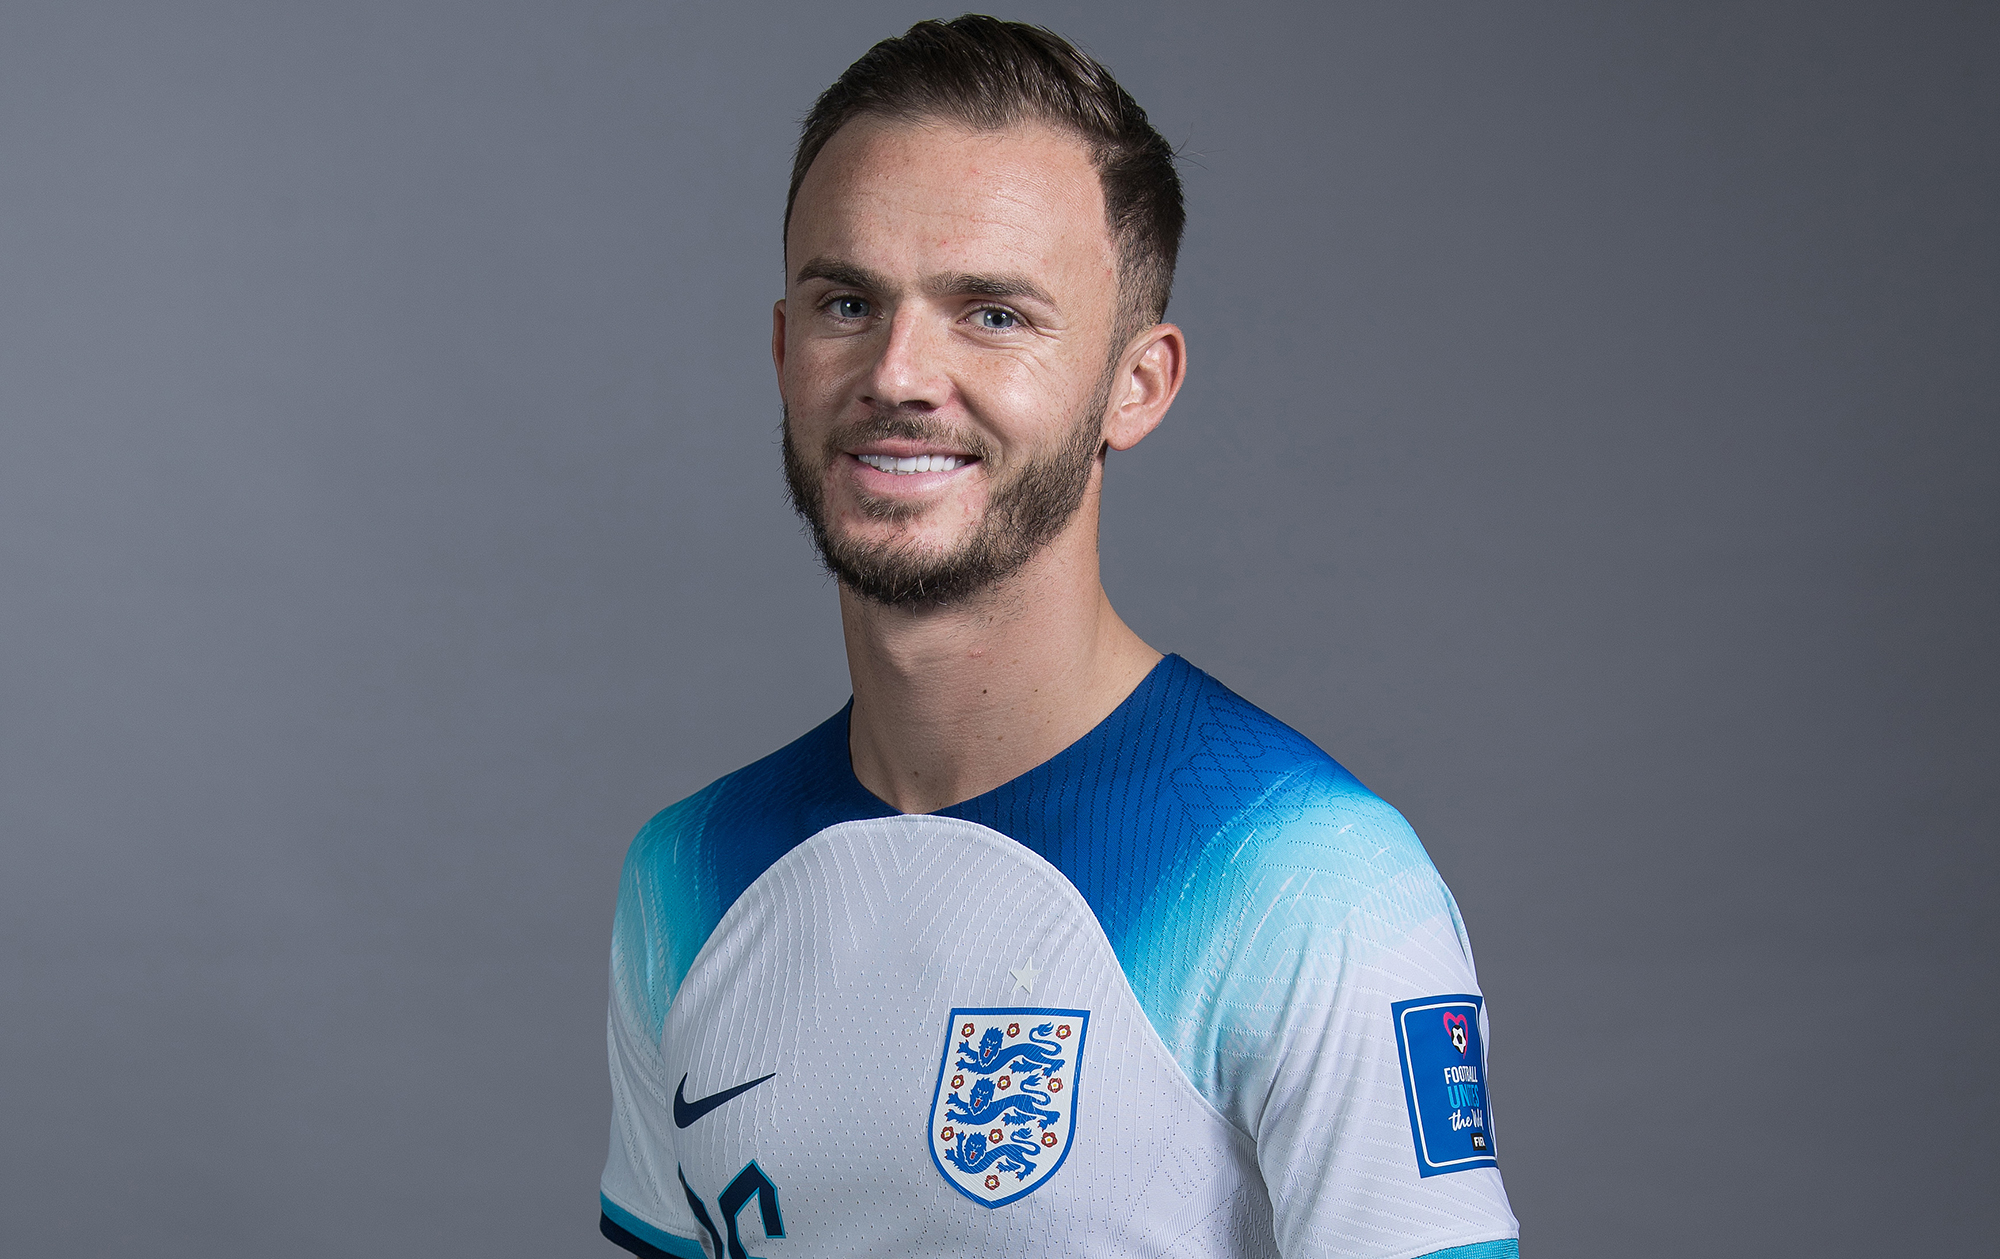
{"x": 934, "y": 196}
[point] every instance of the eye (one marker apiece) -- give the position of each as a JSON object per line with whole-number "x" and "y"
{"x": 997, "y": 318}
{"x": 849, "y": 308}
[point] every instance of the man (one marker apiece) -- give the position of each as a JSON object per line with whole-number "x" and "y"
{"x": 1045, "y": 944}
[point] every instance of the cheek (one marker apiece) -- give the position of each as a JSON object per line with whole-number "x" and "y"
{"x": 814, "y": 371}
{"x": 1024, "y": 396}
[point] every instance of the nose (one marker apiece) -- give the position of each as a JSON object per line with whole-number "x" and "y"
{"x": 909, "y": 371}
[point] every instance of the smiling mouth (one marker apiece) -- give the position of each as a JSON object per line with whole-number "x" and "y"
{"x": 906, "y": 465}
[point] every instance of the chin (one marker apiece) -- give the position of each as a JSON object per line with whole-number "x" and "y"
{"x": 906, "y": 541}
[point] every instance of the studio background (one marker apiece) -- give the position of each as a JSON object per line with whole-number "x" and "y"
{"x": 1590, "y": 442}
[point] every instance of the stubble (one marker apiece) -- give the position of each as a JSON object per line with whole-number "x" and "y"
{"x": 1023, "y": 514}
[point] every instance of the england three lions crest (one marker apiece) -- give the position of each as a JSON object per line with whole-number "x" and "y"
{"x": 1004, "y": 1113}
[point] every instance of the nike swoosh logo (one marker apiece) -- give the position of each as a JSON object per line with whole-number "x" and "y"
{"x": 686, "y": 1112}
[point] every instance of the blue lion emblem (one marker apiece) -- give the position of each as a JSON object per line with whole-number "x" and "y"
{"x": 1004, "y": 1110}
{"x": 1026, "y": 1103}
{"x": 1040, "y": 1050}
{"x": 973, "y": 1155}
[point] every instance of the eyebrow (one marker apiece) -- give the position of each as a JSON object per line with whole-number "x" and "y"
{"x": 836, "y": 271}
{"x": 990, "y": 286}
{"x": 840, "y": 273}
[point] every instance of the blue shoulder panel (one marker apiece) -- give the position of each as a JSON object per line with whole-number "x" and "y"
{"x": 690, "y": 863}
{"x": 1123, "y": 808}
{"x": 1186, "y": 809}
{"x": 1215, "y": 843}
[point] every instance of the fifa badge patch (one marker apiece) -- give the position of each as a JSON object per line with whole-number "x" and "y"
{"x": 1004, "y": 1112}
{"x": 1444, "y": 1082}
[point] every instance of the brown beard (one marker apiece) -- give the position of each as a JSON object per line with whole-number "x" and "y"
{"x": 1022, "y": 516}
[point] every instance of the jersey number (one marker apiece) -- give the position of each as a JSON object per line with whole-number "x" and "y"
{"x": 750, "y": 1183}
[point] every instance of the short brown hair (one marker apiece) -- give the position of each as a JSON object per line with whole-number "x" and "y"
{"x": 987, "y": 74}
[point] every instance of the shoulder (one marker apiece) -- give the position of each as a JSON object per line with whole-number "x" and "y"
{"x": 1270, "y": 801}
{"x": 1334, "y": 850}
{"x": 1287, "y": 839}
{"x": 664, "y": 911}
{"x": 672, "y": 833}
{"x": 758, "y": 807}
{"x": 691, "y": 861}
{"x": 1296, "y": 893}
{"x": 669, "y": 848}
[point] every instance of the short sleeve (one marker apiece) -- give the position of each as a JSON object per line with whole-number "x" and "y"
{"x": 1273, "y": 967}
{"x": 658, "y": 928}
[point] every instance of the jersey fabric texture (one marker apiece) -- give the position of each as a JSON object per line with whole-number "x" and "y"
{"x": 1137, "y": 1001}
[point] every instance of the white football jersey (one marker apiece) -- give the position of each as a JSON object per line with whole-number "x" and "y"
{"x": 1185, "y": 989}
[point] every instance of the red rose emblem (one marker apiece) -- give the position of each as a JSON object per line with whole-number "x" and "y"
{"x": 1048, "y": 1140}
{"x": 1013, "y": 1029}
{"x": 994, "y": 1136}
{"x": 1055, "y": 1084}
{"x": 958, "y": 1081}
{"x": 992, "y": 1182}
{"x": 1006, "y": 1082}
{"x": 966, "y": 1030}
{"x": 1062, "y": 1033}
{"x": 947, "y": 1134}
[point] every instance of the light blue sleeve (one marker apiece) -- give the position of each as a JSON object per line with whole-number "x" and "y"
{"x": 654, "y": 936}
{"x": 663, "y": 918}
{"x": 1268, "y": 964}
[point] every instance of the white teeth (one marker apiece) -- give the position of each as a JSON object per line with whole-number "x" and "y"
{"x": 908, "y": 464}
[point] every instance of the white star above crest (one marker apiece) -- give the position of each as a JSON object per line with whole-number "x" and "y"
{"x": 1025, "y": 975}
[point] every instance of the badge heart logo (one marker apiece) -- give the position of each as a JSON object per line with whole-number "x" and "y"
{"x": 1454, "y": 1026}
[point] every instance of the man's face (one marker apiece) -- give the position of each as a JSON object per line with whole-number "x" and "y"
{"x": 944, "y": 351}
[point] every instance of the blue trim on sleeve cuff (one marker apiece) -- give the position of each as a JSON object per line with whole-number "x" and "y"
{"x": 679, "y": 1247}
{"x": 1506, "y": 1248}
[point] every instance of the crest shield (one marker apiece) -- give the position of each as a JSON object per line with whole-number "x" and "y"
{"x": 1004, "y": 1112}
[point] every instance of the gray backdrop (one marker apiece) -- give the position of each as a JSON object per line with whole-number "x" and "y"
{"x": 1590, "y": 441}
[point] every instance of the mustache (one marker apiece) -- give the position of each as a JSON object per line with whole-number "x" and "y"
{"x": 901, "y": 424}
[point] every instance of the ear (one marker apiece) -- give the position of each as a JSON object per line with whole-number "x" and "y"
{"x": 778, "y": 342}
{"x": 1149, "y": 374}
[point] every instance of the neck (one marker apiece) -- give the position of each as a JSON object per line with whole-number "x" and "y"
{"x": 952, "y": 702}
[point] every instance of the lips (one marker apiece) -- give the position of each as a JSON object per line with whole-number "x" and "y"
{"x": 903, "y": 460}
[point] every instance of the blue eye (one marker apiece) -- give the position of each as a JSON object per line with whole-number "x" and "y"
{"x": 849, "y": 308}
{"x": 998, "y": 320}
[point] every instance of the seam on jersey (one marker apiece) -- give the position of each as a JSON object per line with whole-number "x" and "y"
{"x": 993, "y": 838}
{"x": 1301, "y": 878}
{"x": 1004, "y": 843}
{"x": 1159, "y": 1042}
{"x": 656, "y": 929}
